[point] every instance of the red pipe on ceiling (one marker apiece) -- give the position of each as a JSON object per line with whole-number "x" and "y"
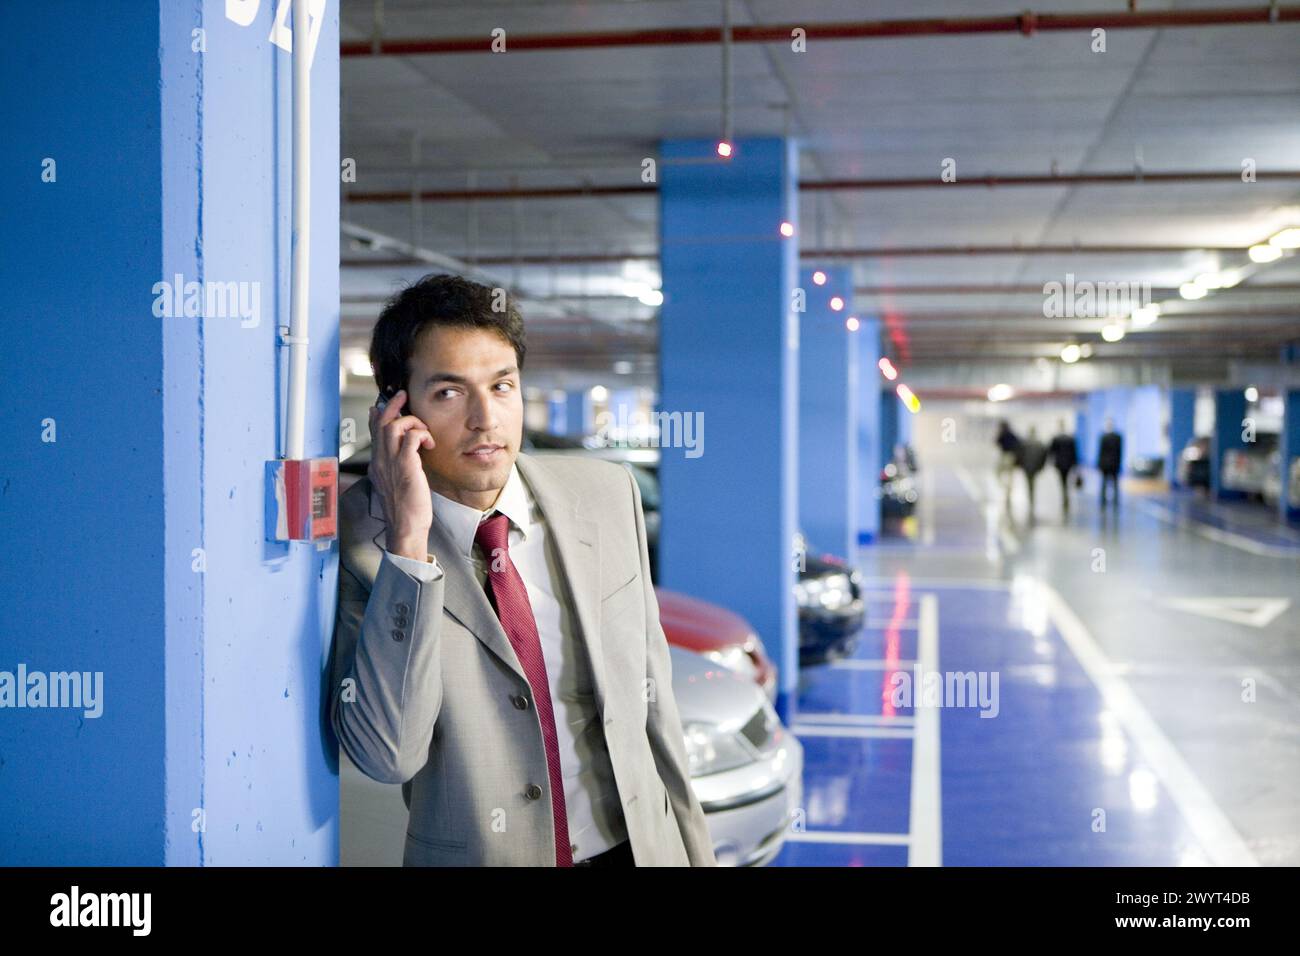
{"x": 1027, "y": 24}
{"x": 827, "y": 185}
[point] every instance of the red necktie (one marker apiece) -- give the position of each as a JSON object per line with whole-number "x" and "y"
{"x": 510, "y": 599}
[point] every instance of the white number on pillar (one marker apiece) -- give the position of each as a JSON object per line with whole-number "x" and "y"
{"x": 242, "y": 12}
{"x": 282, "y": 32}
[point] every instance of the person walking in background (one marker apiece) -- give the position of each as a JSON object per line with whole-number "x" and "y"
{"x": 1008, "y": 455}
{"x": 1110, "y": 453}
{"x": 1064, "y": 452}
{"x": 1033, "y": 456}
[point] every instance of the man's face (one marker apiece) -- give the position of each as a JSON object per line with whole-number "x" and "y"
{"x": 464, "y": 385}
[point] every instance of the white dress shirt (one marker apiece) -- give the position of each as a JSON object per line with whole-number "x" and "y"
{"x": 591, "y": 798}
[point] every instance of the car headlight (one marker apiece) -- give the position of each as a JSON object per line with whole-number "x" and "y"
{"x": 805, "y": 590}
{"x": 734, "y": 658}
{"x": 709, "y": 750}
{"x": 829, "y": 591}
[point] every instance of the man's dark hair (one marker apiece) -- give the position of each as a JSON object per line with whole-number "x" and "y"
{"x": 438, "y": 300}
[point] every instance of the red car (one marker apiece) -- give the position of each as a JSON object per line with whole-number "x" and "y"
{"x": 722, "y": 636}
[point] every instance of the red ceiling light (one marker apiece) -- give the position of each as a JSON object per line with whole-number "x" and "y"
{"x": 724, "y": 149}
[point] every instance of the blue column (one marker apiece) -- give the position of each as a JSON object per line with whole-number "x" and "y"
{"x": 1142, "y": 424}
{"x": 1229, "y": 413}
{"x": 1112, "y": 403}
{"x": 137, "y": 435}
{"x": 1290, "y": 442}
{"x": 557, "y": 409}
{"x": 577, "y": 416}
{"x": 828, "y": 427}
{"x": 729, "y": 357}
{"x": 1182, "y": 417}
{"x": 867, "y": 347}
{"x": 906, "y": 419}
{"x": 891, "y": 407}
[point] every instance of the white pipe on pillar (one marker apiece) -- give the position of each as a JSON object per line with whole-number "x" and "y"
{"x": 300, "y": 283}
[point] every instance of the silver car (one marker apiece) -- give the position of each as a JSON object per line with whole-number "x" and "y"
{"x": 746, "y": 767}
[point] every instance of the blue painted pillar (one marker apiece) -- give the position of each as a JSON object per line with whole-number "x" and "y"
{"x": 828, "y": 425}
{"x": 1290, "y": 442}
{"x": 1112, "y": 403}
{"x": 1229, "y": 413}
{"x": 145, "y": 146}
{"x": 1142, "y": 424}
{"x": 867, "y": 397}
{"x": 1182, "y": 418}
{"x": 906, "y": 419}
{"x": 619, "y": 422}
{"x": 557, "y": 409}
{"x": 729, "y": 341}
{"x": 891, "y": 407}
{"x": 578, "y": 414}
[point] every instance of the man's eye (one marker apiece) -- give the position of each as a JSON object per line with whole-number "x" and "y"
{"x": 442, "y": 392}
{"x": 508, "y": 385}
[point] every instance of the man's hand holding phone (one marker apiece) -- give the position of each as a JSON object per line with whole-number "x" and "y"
{"x": 397, "y": 473}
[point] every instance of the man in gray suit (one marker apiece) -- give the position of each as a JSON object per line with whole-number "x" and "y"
{"x": 497, "y": 647}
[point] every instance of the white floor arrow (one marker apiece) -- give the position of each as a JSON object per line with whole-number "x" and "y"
{"x": 1253, "y": 611}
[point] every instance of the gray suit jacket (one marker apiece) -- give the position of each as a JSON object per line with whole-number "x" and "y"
{"x": 425, "y": 681}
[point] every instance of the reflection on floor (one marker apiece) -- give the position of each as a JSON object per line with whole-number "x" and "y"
{"x": 1109, "y": 688}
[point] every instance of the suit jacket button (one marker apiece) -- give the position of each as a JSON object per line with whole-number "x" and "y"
{"x": 403, "y": 609}
{"x": 399, "y": 636}
{"x": 520, "y": 701}
{"x": 533, "y": 792}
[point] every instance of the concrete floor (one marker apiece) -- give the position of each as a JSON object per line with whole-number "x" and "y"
{"x": 1146, "y": 715}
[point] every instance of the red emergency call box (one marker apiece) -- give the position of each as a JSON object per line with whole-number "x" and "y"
{"x": 306, "y": 495}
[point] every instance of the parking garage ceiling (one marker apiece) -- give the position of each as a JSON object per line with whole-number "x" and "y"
{"x": 1115, "y": 166}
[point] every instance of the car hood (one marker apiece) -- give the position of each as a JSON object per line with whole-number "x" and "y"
{"x": 708, "y": 693}
{"x": 699, "y": 625}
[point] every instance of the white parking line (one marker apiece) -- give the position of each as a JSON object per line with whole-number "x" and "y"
{"x": 872, "y": 720}
{"x": 831, "y": 730}
{"x": 1213, "y": 830}
{"x": 926, "y": 817}
{"x": 1217, "y": 535}
{"x": 968, "y": 484}
{"x": 927, "y": 506}
{"x": 853, "y": 664}
{"x": 844, "y": 836}
{"x": 885, "y": 626}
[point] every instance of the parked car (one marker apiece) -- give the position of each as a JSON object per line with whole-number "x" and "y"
{"x": 1273, "y": 479}
{"x": 828, "y": 591}
{"x": 722, "y": 636}
{"x": 1194, "y": 463}
{"x": 898, "y": 492}
{"x": 1245, "y": 469}
{"x": 746, "y": 770}
{"x": 832, "y": 608}
{"x": 1148, "y": 466}
{"x": 746, "y": 767}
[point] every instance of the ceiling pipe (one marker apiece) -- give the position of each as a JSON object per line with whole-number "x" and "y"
{"x": 1156, "y": 291}
{"x": 1134, "y": 178}
{"x": 865, "y": 252}
{"x": 1027, "y": 24}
